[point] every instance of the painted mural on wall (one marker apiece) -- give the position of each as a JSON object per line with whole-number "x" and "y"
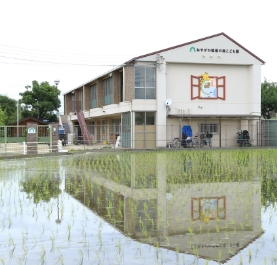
{"x": 209, "y": 208}
{"x": 208, "y": 87}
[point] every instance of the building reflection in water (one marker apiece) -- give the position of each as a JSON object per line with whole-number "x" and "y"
{"x": 159, "y": 206}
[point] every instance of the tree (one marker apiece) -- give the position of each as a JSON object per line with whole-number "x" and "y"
{"x": 9, "y": 107}
{"x": 41, "y": 101}
{"x": 2, "y": 117}
{"x": 269, "y": 99}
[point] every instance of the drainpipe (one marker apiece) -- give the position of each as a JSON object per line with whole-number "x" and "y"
{"x": 123, "y": 89}
{"x": 83, "y": 99}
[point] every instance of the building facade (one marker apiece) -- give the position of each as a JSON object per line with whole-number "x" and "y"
{"x": 211, "y": 84}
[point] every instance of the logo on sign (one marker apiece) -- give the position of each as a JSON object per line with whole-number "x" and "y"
{"x": 31, "y": 130}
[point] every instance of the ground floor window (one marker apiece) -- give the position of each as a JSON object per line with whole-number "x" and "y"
{"x": 116, "y": 126}
{"x": 91, "y": 128}
{"x": 209, "y": 127}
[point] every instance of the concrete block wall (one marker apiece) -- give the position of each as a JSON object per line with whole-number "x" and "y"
{"x": 31, "y": 139}
{"x": 55, "y": 136}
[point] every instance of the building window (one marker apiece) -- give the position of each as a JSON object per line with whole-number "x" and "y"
{"x": 91, "y": 128}
{"x": 81, "y": 99}
{"x": 209, "y": 127}
{"x": 108, "y": 91}
{"x": 145, "y": 82}
{"x": 145, "y": 118}
{"x": 116, "y": 126}
{"x": 93, "y": 97}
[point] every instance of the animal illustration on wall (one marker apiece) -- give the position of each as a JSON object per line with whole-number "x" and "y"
{"x": 208, "y": 86}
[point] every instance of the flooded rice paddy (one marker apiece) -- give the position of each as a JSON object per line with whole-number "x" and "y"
{"x": 175, "y": 207}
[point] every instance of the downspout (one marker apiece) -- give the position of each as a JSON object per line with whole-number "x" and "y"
{"x": 83, "y": 105}
{"x": 123, "y": 85}
{"x": 65, "y": 111}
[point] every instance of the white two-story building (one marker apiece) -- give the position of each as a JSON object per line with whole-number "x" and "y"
{"x": 212, "y": 84}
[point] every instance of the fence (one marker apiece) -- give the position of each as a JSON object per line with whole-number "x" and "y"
{"x": 151, "y": 136}
{"x": 21, "y": 148}
{"x": 141, "y": 136}
{"x": 13, "y": 140}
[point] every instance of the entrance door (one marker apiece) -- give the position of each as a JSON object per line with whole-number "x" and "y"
{"x": 126, "y": 130}
{"x": 145, "y": 130}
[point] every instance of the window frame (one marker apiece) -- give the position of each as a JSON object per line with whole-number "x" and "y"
{"x": 146, "y": 117}
{"x": 108, "y": 91}
{"x": 146, "y": 88}
{"x": 195, "y": 89}
{"x": 93, "y": 96}
{"x": 209, "y": 127}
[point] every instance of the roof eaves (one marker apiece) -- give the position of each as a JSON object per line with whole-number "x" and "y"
{"x": 31, "y": 118}
{"x": 94, "y": 79}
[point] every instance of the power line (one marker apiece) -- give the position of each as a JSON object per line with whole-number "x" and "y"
{"x": 59, "y": 63}
{"x": 59, "y": 53}
{"x": 54, "y": 57}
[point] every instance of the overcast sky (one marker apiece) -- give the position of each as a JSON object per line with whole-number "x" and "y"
{"x": 75, "y": 41}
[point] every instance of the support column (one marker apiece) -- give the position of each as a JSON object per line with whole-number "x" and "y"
{"x": 32, "y": 148}
{"x": 244, "y": 125}
{"x": 161, "y": 114}
{"x": 55, "y": 136}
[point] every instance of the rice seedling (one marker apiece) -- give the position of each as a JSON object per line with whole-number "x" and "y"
{"x": 127, "y": 191}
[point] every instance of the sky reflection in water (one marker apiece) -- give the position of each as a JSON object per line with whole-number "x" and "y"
{"x": 66, "y": 212}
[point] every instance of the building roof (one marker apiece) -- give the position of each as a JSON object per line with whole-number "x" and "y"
{"x": 132, "y": 61}
{"x": 191, "y": 42}
{"x": 30, "y": 118}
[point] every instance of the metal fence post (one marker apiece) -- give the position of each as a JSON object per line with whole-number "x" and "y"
{"x": 50, "y": 134}
{"x": 24, "y": 148}
{"x": 5, "y": 138}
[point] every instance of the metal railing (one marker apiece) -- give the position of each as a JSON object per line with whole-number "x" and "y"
{"x": 22, "y": 148}
{"x": 151, "y": 136}
{"x": 145, "y": 137}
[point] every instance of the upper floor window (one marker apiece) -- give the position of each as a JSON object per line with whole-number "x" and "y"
{"x": 93, "y": 96}
{"x": 145, "y": 82}
{"x": 108, "y": 91}
{"x": 81, "y": 99}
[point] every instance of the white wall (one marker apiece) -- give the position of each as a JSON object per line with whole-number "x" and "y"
{"x": 239, "y": 86}
{"x": 183, "y": 53}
